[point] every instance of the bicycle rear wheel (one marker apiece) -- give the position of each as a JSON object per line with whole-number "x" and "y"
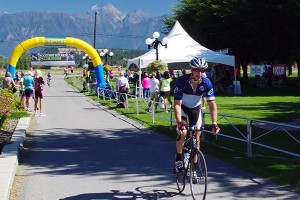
{"x": 181, "y": 180}
{"x": 198, "y": 181}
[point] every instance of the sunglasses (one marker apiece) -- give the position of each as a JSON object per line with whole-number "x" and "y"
{"x": 199, "y": 70}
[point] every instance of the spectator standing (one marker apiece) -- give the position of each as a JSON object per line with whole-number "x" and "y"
{"x": 21, "y": 89}
{"x": 38, "y": 92}
{"x": 122, "y": 87}
{"x": 9, "y": 83}
{"x": 135, "y": 78}
{"x": 158, "y": 75}
{"x": 178, "y": 73}
{"x": 111, "y": 74}
{"x": 66, "y": 72}
{"x": 72, "y": 69}
{"x": 87, "y": 77}
{"x": 16, "y": 79}
{"x": 84, "y": 72}
{"x": 28, "y": 89}
{"x": 165, "y": 88}
{"x": 172, "y": 74}
{"x": 126, "y": 74}
{"x": 146, "y": 86}
{"x": 154, "y": 91}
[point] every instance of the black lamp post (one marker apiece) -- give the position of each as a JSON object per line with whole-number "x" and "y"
{"x": 154, "y": 42}
{"x": 85, "y": 58}
{"x": 105, "y": 53}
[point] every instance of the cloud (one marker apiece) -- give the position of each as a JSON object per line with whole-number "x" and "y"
{"x": 95, "y": 7}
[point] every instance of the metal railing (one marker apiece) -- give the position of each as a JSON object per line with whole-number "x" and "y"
{"x": 250, "y": 139}
{"x": 280, "y": 128}
{"x": 133, "y": 101}
{"x": 246, "y": 136}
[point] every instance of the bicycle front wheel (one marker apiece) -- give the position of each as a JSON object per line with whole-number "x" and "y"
{"x": 198, "y": 177}
{"x": 181, "y": 180}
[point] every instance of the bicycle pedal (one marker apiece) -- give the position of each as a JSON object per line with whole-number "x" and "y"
{"x": 195, "y": 181}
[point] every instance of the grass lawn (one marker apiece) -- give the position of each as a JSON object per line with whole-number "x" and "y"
{"x": 275, "y": 104}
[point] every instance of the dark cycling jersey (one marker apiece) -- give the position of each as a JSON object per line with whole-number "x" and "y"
{"x": 184, "y": 91}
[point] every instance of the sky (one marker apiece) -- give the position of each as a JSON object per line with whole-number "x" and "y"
{"x": 155, "y": 7}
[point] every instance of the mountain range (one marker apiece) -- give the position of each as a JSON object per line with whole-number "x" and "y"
{"x": 114, "y": 29}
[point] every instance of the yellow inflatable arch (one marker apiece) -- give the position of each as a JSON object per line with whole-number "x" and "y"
{"x": 58, "y": 41}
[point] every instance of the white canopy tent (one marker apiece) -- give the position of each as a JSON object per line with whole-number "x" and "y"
{"x": 180, "y": 50}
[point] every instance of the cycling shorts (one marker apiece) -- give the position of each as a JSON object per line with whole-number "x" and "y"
{"x": 193, "y": 115}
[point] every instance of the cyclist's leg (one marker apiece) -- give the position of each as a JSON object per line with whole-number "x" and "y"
{"x": 180, "y": 140}
{"x": 195, "y": 120}
{"x": 180, "y": 143}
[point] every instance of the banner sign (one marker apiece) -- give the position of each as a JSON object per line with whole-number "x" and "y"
{"x": 279, "y": 70}
{"x": 54, "y": 41}
{"x": 256, "y": 69}
{"x": 223, "y": 51}
{"x": 52, "y": 59}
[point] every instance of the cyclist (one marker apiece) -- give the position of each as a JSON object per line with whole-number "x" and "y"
{"x": 49, "y": 77}
{"x": 188, "y": 93}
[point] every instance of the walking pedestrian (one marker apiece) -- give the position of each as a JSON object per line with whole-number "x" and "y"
{"x": 9, "y": 83}
{"x": 28, "y": 89}
{"x": 165, "y": 89}
{"x": 146, "y": 86}
{"x": 154, "y": 91}
{"x": 38, "y": 92}
{"x": 21, "y": 89}
{"x": 122, "y": 87}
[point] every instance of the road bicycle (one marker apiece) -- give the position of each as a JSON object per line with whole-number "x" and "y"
{"x": 49, "y": 82}
{"x": 198, "y": 180}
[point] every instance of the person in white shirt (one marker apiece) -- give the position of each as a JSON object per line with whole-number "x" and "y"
{"x": 122, "y": 86}
{"x": 154, "y": 91}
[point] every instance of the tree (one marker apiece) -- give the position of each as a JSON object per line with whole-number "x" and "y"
{"x": 24, "y": 62}
{"x": 2, "y": 62}
{"x": 256, "y": 31}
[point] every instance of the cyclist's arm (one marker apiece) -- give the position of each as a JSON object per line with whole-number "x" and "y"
{"x": 213, "y": 110}
{"x": 177, "y": 110}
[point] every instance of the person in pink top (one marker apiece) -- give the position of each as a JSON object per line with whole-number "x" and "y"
{"x": 38, "y": 92}
{"x": 111, "y": 74}
{"x": 72, "y": 69}
{"x": 146, "y": 86}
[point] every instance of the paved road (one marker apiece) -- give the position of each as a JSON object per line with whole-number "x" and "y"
{"x": 81, "y": 151}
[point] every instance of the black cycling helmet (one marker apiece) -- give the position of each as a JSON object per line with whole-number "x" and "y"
{"x": 198, "y": 63}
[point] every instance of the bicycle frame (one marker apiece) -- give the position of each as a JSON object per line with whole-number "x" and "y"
{"x": 195, "y": 160}
{"x": 193, "y": 144}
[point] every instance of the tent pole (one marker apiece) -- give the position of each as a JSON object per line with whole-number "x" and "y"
{"x": 140, "y": 82}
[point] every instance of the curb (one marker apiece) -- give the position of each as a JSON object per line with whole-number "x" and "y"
{"x": 9, "y": 158}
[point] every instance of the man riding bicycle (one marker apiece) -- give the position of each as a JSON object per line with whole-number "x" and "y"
{"x": 49, "y": 77}
{"x": 188, "y": 92}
